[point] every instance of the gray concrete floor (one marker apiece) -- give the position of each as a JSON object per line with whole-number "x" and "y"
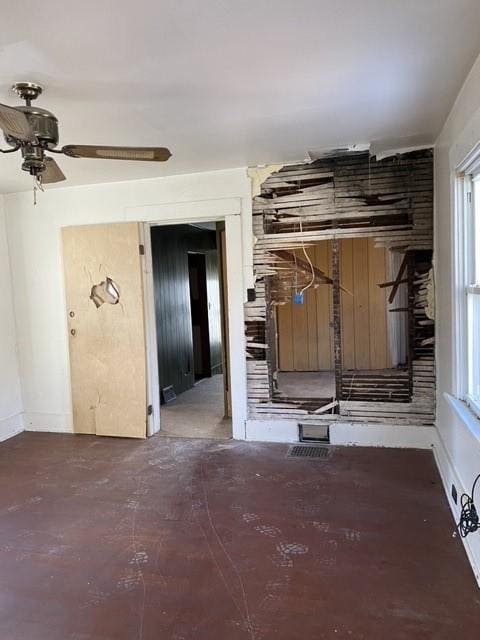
{"x": 306, "y": 384}
{"x": 197, "y": 413}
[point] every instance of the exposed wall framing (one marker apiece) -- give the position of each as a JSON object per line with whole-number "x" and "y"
{"x": 348, "y": 196}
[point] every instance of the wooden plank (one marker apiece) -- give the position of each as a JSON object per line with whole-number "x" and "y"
{"x": 361, "y": 304}
{"x": 323, "y": 303}
{"x": 337, "y": 318}
{"x": 347, "y": 304}
{"x": 302, "y": 265}
{"x": 285, "y": 337}
{"x": 398, "y": 280}
{"x": 300, "y": 337}
{"x": 379, "y": 352}
{"x": 310, "y": 305}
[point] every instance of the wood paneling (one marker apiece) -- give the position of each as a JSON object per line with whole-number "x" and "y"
{"x": 305, "y": 332}
{"x": 364, "y": 314}
{"x": 107, "y": 344}
{"x": 347, "y": 304}
{"x": 170, "y": 247}
{"x": 323, "y": 303}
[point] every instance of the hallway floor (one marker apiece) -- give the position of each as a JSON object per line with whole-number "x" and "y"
{"x": 197, "y": 413}
{"x": 114, "y": 539}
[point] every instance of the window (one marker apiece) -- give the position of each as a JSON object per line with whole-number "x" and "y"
{"x": 472, "y": 269}
{"x": 467, "y": 282}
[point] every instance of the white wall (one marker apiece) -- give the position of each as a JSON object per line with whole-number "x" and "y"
{"x": 458, "y": 449}
{"x": 10, "y": 398}
{"x": 37, "y": 271}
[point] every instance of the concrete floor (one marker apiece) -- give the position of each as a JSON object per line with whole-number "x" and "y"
{"x": 197, "y": 413}
{"x": 306, "y": 384}
{"x": 113, "y": 539}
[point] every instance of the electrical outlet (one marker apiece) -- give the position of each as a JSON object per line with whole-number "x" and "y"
{"x": 454, "y": 494}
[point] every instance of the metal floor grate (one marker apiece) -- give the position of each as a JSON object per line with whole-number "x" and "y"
{"x": 309, "y": 451}
{"x": 169, "y": 394}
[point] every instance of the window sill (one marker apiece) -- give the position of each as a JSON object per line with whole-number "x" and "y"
{"x": 470, "y": 419}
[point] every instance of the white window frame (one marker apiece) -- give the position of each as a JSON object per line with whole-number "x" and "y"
{"x": 464, "y": 269}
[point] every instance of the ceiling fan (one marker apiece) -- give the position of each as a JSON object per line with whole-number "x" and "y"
{"x": 34, "y": 132}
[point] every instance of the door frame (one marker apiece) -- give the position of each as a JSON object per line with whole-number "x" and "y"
{"x": 234, "y": 309}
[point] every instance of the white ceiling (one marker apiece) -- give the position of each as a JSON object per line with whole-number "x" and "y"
{"x": 229, "y": 83}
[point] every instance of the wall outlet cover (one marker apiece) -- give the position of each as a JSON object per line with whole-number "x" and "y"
{"x": 454, "y": 494}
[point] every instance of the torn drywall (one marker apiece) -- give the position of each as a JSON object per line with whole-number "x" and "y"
{"x": 258, "y": 175}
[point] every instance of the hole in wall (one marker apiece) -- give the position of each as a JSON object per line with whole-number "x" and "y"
{"x": 106, "y": 291}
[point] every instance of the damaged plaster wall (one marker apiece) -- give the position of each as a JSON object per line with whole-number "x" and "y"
{"x": 11, "y": 410}
{"x": 258, "y": 175}
{"x": 342, "y": 197}
{"x": 37, "y": 267}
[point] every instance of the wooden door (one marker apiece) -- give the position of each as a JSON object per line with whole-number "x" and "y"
{"x": 105, "y": 312}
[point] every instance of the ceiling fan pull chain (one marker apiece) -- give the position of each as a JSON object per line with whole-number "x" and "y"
{"x": 37, "y": 185}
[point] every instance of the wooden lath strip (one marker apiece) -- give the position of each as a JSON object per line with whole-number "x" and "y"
{"x": 384, "y": 285}
{"x": 398, "y": 279}
{"x": 303, "y": 266}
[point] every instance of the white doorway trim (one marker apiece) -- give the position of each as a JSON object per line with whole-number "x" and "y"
{"x": 229, "y": 211}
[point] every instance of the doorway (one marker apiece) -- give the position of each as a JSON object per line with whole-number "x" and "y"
{"x": 190, "y": 308}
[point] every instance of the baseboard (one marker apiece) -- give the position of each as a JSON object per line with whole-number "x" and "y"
{"x": 271, "y": 430}
{"x": 450, "y": 476}
{"x": 381, "y": 435}
{"x": 49, "y": 422}
{"x": 346, "y": 433}
{"x": 216, "y": 369}
{"x": 11, "y": 426}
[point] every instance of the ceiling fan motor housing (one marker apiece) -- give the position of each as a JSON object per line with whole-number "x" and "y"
{"x": 45, "y": 127}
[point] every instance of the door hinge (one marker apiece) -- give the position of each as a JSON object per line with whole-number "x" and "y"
{"x": 150, "y": 410}
{"x": 469, "y": 197}
{"x": 141, "y": 249}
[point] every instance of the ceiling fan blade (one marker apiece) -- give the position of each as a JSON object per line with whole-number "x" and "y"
{"x": 15, "y": 123}
{"x": 146, "y": 154}
{"x": 52, "y": 173}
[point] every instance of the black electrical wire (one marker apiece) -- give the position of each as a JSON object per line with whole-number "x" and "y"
{"x": 469, "y": 520}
